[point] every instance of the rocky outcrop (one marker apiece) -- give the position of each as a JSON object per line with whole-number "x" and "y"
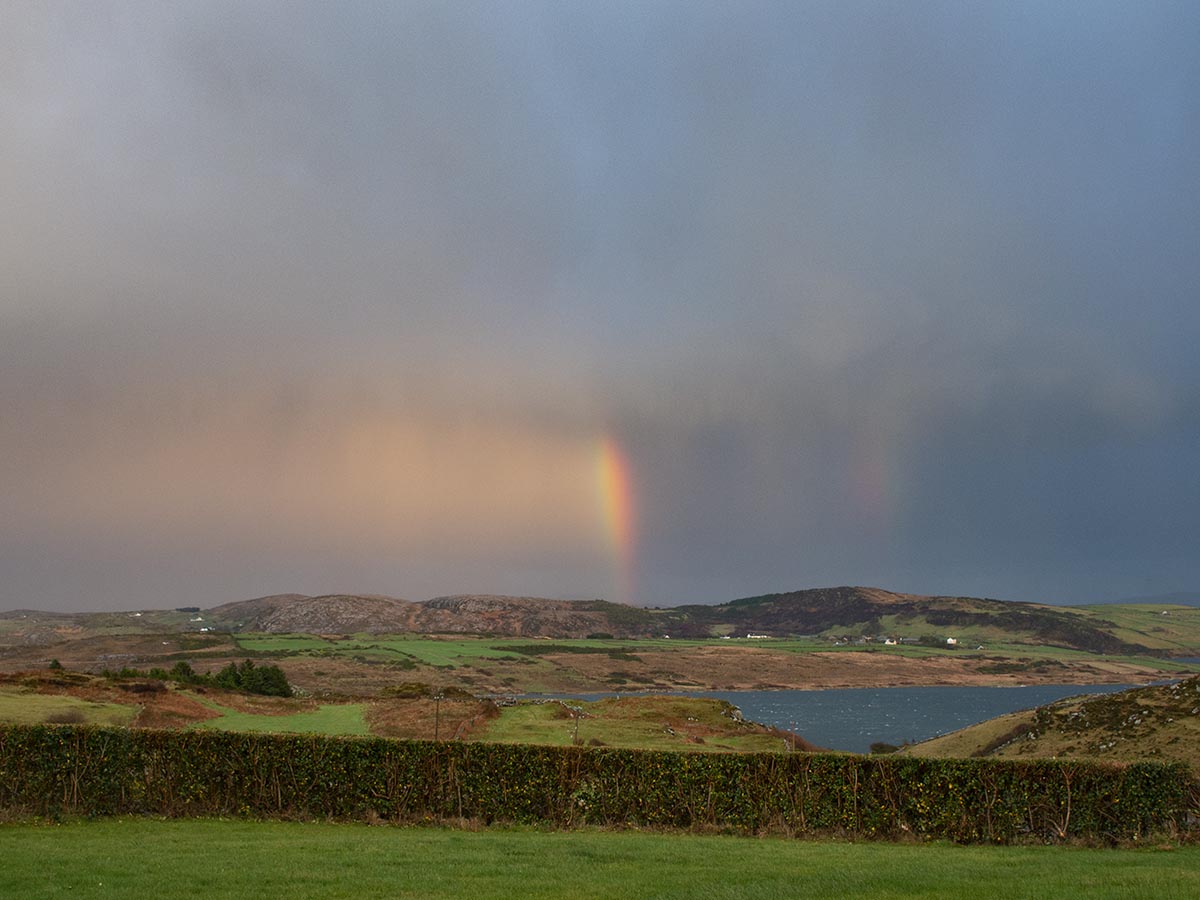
{"x": 462, "y": 614}
{"x": 328, "y": 614}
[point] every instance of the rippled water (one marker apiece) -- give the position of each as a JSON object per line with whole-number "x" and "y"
{"x": 854, "y": 718}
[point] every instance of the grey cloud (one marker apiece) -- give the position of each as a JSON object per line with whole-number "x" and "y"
{"x": 870, "y": 291}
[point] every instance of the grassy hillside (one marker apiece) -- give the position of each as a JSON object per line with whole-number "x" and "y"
{"x": 26, "y": 706}
{"x": 327, "y": 718}
{"x": 368, "y": 664}
{"x": 664, "y": 723}
{"x": 830, "y": 637}
{"x": 826, "y": 612}
{"x": 1171, "y": 628}
{"x": 873, "y": 612}
{"x": 1160, "y": 722}
{"x": 652, "y": 723}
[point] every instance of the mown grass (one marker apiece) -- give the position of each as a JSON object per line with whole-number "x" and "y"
{"x": 208, "y": 858}
{"x": 26, "y": 707}
{"x": 331, "y": 718}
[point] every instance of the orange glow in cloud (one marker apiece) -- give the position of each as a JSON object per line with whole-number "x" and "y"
{"x": 436, "y": 489}
{"x": 463, "y": 497}
{"x": 616, "y": 499}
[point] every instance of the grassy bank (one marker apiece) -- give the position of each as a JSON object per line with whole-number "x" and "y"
{"x": 651, "y": 723}
{"x": 330, "y": 718}
{"x": 209, "y": 858}
{"x": 28, "y": 707}
{"x": 664, "y": 723}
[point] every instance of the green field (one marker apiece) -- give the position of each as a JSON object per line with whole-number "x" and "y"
{"x": 454, "y": 652}
{"x": 447, "y": 652}
{"x": 207, "y": 858}
{"x": 629, "y": 722}
{"x": 429, "y": 651}
{"x": 27, "y": 707}
{"x": 659, "y": 723}
{"x": 331, "y": 718}
{"x": 1161, "y": 626}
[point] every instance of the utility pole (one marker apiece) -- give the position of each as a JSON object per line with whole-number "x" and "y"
{"x": 437, "y": 715}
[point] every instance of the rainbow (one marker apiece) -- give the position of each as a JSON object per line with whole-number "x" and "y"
{"x": 615, "y": 487}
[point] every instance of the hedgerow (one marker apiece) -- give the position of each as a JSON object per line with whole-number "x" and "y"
{"x": 50, "y": 770}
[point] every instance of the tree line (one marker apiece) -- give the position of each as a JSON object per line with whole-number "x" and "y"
{"x": 244, "y": 676}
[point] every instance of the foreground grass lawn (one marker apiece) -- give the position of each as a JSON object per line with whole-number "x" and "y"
{"x": 204, "y": 858}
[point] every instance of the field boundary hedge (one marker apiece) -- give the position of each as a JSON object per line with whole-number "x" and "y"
{"x": 49, "y": 770}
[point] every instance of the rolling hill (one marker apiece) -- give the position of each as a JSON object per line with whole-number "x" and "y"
{"x": 839, "y": 613}
{"x": 851, "y": 612}
{"x": 872, "y": 612}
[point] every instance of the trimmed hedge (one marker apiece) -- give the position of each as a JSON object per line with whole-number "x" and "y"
{"x": 81, "y": 770}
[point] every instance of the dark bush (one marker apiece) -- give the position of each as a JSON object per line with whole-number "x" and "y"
{"x": 51, "y": 769}
{"x": 268, "y": 680}
{"x": 143, "y": 687}
{"x": 66, "y": 717}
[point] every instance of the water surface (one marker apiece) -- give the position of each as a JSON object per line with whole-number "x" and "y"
{"x": 854, "y": 718}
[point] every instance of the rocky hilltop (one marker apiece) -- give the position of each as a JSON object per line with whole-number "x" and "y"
{"x": 327, "y": 614}
{"x": 518, "y": 616}
{"x": 460, "y": 614}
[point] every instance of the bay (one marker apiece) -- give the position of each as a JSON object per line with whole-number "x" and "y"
{"x": 854, "y": 718}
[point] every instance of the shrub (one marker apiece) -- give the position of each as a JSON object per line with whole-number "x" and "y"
{"x": 268, "y": 680}
{"x": 408, "y": 689}
{"x": 66, "y": 717}
{"x": 48, "y": 769}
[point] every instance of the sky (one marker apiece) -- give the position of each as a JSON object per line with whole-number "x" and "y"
{"x": 658, "y": 302}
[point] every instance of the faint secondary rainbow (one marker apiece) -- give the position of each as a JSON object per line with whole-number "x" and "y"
{"x": 615, "y": 487}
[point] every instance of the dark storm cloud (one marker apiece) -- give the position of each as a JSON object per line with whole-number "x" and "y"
{"x": 881, "y": 292}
